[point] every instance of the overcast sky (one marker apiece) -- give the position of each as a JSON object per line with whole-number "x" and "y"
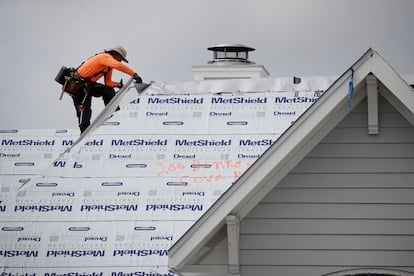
{"x": 165, "y": 38}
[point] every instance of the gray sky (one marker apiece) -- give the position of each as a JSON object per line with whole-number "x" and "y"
{"x": 165, "y": 38}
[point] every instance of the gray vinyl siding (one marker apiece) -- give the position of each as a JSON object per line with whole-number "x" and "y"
{"x": 348, "y": 204}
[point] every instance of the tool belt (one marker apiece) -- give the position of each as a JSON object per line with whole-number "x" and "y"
{"x": 72, "y": 83}
{"x": 75, "y": 85}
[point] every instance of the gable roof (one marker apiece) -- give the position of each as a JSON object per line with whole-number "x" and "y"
{"x": 292, "y": 147}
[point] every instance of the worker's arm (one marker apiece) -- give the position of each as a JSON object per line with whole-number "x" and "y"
{"x": 112, "y": 63}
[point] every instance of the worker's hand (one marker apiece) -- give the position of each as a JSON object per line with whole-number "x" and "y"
{"x": 120, "y": 84}
{"x": 137, "y": 78}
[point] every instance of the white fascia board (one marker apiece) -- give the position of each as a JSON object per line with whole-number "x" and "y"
{"x": 393, "y": 81}
{"x": 274, "y": 164}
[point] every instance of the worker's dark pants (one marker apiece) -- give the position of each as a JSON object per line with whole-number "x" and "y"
{"x": 83, "y": 101}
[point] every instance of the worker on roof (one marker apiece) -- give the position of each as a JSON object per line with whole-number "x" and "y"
{"x": 93, "y": 69}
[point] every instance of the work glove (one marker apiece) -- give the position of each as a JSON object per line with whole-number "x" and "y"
{"x": 120, "y": 84}
{"x": 137, "y": 78}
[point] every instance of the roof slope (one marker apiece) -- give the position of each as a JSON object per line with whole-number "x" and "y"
{"x": 137, "y": 179}
{"x": 291, "y": 148}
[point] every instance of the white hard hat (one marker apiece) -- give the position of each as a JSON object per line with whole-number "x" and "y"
{"x": 120, "y": 50}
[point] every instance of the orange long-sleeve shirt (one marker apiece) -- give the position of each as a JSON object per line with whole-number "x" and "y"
{"x": 102, "y": 65}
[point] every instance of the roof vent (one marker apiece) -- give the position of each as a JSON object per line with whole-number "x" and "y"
{"x": 227, "y": 54}
{"x": 231, "y": 61}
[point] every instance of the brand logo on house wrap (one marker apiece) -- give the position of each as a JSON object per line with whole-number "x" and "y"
{"x": 250, "y": 142}
{"x": 143, "y": 273}
{"x": 138, "y": 142}
{"x": 184, "y": 156}
{"x": 238, "y": 100}
{"x": 140, "y": 252}
{"x": 193, "y": 193}
{"x": 160, "y": 238}
{"x": 43, "y": 208}
{"x": 202, "y": 143}
{"x": 27, "y": 142}
{"x": 149, "y": 113}
{"x": 174, "y": 207}
{"x": 284, "y": 113}
{"x": 9, "y": 155}
{"x": 16, "y": 274}
{"x": 219, "y": 114}
{"x": 296, "y": 99}
{"x": 120, "y": 156}
{"x": 128, "y": 193}
{"x": 104, "y": 239}
{"x": 175, "y": 100}
{"x": 88, "y": 143}
{"x": 136, "y": 101}
{"x": 24, "y": 239}
{"x": 73, "y": 274}
{"x": 18, "y": 253}
{"x": 75, "y": 253}
{"x": 109, "y": 207}
{"x": 63, "y": 194}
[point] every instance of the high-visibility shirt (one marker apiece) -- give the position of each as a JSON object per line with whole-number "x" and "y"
{"x": 101, "y": 65}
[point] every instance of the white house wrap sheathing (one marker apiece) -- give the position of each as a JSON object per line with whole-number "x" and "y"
{"x": 134, "y": 185}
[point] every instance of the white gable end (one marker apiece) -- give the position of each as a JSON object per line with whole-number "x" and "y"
{"x": 293, "y": 146}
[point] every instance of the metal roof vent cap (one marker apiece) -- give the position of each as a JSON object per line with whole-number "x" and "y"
{"x": 231, "y": 54}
